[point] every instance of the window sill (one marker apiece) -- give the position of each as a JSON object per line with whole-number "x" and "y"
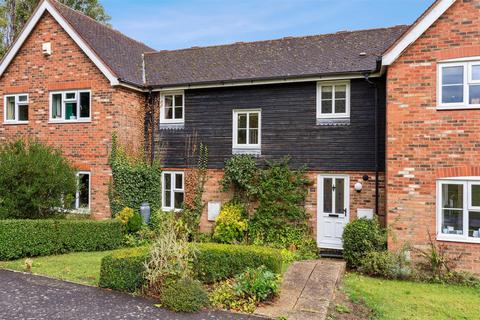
{"x": 69, "y": 121}
{"x": 452, "y": 238}
{"x": 14, "y": 122}
{"x": 171, "y": 209}
{"x": 344, "y": 121}
{"x": 250, "y": 151}
{"x": 172, "y": 126}
{"x": 458, "y": 107}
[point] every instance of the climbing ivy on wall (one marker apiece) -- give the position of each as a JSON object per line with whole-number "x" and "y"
{"x": 134, "y": 181}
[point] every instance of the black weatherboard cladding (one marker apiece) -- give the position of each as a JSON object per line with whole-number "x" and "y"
{"x": 288, "y": 126}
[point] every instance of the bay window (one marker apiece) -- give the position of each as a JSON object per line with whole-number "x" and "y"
{"x": 459, "y": 85}
{"x": 458, "y": 209}
{"x": 70, "y": 106}
{"x": 172, "y": 190}
{"x": 16, "y": 108}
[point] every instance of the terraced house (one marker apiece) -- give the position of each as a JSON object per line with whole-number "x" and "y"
{"x": 384, "y": 120}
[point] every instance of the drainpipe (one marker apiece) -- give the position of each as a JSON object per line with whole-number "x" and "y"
{"x": 377, "y": 185}
{"x": 149, "y": 122}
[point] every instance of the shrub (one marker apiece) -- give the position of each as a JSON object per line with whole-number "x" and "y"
{"x": 123, "y": 269}
{"x": 169, "y": 258}
{"x": 29, "y": 238}
{"x": 134, "y": 181}
{"x": 131, "y": 220}
{"x": 241, "y": 173}
{"x": 184, "y": 295}
{"x": 360, "y": 237}
{"x": 230, "y": 226}
{"x": 216, "y": 262}
{"x": 223, "y": 296}
{"x": 35, "y": 180}
{"x": 257, "y": 283}
{"x": 378, "y": 263}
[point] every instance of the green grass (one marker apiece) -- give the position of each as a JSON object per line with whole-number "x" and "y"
{"x": 397, "y": 300}
{"x": 79, "y": 267}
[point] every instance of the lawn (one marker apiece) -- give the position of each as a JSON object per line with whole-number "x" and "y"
{"x": 397, "y": 300}
{"x": 79, "y": 267}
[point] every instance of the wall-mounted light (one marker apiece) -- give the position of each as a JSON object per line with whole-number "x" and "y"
{"x": 358, "y": 186}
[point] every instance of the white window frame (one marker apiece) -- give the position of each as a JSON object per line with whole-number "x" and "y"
{"x": 162, "y": 107}
{"x": 343, "y": 115}
{"x": 467, "y": 81}
{"x": 173, "y": 190}
{"x": 17, "y": 104}
{"x": 255, "y": 146}
{"x": 77, "y": 193}
{"x": 466, "y": 182}
{"x": 77, "y": 100}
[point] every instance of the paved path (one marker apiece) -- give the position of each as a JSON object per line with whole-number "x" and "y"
{"x": 25, "y": 296}
{"x": 307, "y": 289}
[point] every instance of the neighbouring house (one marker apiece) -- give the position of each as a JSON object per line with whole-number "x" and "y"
{"x": 382, "y": 119}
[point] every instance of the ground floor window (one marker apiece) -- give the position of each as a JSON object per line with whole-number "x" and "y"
{"x": 82, "y": 196}
{"x": 458, "y": 209}
{"x": 172, "y": 190}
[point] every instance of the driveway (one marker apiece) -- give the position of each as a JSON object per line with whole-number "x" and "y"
{"x": 25, "y": 296}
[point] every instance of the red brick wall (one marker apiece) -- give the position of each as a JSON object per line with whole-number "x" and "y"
{"x": 85, "y": 144}
{"x": 363, "y": 199}
{"x": 424, "y": 144}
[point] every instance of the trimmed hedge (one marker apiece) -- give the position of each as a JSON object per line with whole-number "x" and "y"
{"x": 123, "y": 269}
{"x": 30, "y": 238}
{"x": 216, "y": 261}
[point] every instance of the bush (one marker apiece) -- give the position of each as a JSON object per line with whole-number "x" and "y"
{"x": 230, "y": 226}
{"x": 184, "y": 295}
{"x": 123, "y": 269}
{"x": 131, "y": 220}
{"x": 216, "y": 262}
{"x": 134, "y": 181}
{"x": 35, "y": 180}
{"x": 223, "y": 296}
{"x": 241, "y": 173}
{"x": 360, "y": 237}
{"x": 169, "y": 258}
{"x": 379, "y": 263}
{"x": 257, "y": 283}
{"x": 29, "y": 238}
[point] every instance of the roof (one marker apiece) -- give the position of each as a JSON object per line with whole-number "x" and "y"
{"x": 120, "y": 53}
{"x": 292, "y": 57}
{"x": 427, "y": 19}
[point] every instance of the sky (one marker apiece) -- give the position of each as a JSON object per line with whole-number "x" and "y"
{"x": 176, "y": 24}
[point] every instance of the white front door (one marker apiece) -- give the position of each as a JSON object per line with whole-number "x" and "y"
{"x": 333, "y": 210}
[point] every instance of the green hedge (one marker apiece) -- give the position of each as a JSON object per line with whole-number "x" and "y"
{"x": 216, "y": 261}
{"x": 122, "y": 270}
{"x": 29, "y": 238}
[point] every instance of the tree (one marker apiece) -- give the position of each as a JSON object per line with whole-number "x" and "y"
{"x": 15, "y": 13}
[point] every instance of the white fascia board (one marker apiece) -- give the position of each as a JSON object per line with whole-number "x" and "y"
{"x": 413, "y": 34}
{"x": 46, "y": 6}
{"x": 262, "y": 82}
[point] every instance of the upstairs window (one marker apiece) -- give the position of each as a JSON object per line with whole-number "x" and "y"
{"x": 172, "y": 190}
{"x": 16, "y": 108}
{"x": 172, "y": 107}
{"x": 70, "y": 106}
{"x": 333, "y": 100}
{"x": 459, "y": 85}
{"x": 247, "y": 129}
{"x": 458, "y": 209}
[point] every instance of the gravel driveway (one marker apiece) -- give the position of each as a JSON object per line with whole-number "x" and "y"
{"x": 25, "y": 296}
